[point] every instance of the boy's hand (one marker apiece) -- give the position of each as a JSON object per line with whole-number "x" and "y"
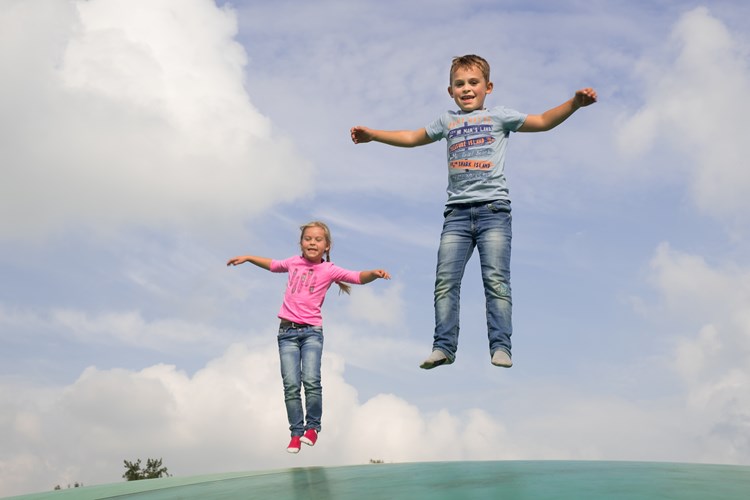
{"x": 361, "y": 134}
{"x": 584, "y": 97}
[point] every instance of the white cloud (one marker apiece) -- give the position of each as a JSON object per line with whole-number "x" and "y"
{"x": 714, "y": 361}
{"x": 696, "y": 96}
{"x": 602, "y": 428}
{"x": 372, "y": 333}
{"x": 693, "y": 354}
{"x": 133, "y": 113}
{"x": 378, "y": 349}
{"x": 228, "y": 416}
{"x": 130, "y": 328}
{"x": 384, "y": 308}
{"x": 691, "y": 286}
{"x": 116, "y": 328}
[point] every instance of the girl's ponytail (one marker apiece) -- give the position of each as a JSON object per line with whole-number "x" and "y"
{"x": 343, "y": 287}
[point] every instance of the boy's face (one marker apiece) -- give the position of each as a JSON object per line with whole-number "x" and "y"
{"x": 469, "y": 88}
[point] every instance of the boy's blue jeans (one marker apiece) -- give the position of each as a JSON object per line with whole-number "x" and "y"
{"x": 300, "y": 351}
{"x": 486, "y": 226}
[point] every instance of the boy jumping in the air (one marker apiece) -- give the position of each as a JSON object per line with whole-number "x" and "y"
{"x": 477, "y": 213}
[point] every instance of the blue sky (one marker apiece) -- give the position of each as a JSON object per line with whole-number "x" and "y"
{"x": 146, "y": 142}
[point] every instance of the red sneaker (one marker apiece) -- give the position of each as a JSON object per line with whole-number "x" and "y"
{"x": 294, "y": 445}
{"x": 310, "y": 436}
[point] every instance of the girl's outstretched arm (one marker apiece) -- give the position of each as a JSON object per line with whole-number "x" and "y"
{"x": 263, "y": 262}
{"x": 370, "y": 276}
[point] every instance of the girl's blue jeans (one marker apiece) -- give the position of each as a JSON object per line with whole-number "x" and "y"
{"x": 486, "y": 226}
{"x": 300, "y": 351}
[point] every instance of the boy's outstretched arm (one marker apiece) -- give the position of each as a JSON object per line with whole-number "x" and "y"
{"x": 370, "y": 276}
{"x": 555, "y": 116}
{"x": 400, "y": 138}
{"x": 263, "y": 262}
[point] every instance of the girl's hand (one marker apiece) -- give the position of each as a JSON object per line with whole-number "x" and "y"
{"x": 235, "y": 261}
{"x": 370, "y": 276}
{"x": 382, "y": 273}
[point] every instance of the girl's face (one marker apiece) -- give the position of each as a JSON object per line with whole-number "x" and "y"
{"x": 314, "y": 244}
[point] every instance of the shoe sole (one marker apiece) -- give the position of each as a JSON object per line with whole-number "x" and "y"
{"x": 506, "y": 364}
{"x": 502, "y": 365}
{"x": 307, "y": 442}
{"x": 429, "y": 365}
{"x": 292, "y": 450}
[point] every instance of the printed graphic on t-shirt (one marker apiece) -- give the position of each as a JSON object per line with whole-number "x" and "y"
{"x": 469, "y": 143}
{"x": 297, "y": 283}
{"x": 469, "y": 150}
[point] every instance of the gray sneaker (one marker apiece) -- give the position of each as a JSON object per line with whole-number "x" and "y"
{"x": 436, "y": 358}
{"x": 502, "y": 358}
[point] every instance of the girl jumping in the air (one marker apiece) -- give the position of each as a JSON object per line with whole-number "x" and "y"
{"x": 300, "y": 335}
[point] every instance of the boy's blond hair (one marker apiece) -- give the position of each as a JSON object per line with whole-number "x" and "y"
{"x": 470, "y": 61}
{"x": 329, "y": 242}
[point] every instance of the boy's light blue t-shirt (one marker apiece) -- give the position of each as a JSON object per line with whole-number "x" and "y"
{"x": 477, "y": 142}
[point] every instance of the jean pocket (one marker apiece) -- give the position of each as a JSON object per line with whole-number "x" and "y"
{"x": 498, "y": 206}
{"x": 287, "y": 333}
{"x": 448, "y": 212}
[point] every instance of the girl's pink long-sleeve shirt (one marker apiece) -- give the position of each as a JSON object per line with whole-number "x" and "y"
{"x": 307, "y": 287}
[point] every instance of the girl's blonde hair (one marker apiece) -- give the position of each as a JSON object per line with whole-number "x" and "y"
{"x": 343, "y": 287}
